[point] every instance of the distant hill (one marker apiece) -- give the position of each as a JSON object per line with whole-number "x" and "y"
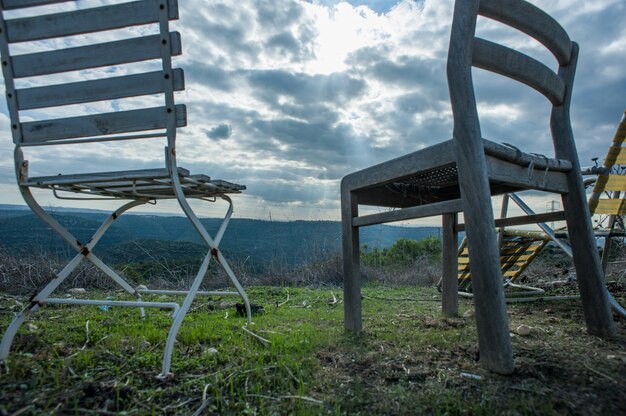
{"x": 143, "y": 237}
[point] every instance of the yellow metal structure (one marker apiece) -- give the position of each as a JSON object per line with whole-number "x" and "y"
{"x": 518, "y": 250}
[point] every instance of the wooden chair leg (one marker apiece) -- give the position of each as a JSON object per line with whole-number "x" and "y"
{"x": 589, "y": 275}
{"x": 494, "y": 340}
{"x": 351, "y": 260}
{"x": 450, "y": 280}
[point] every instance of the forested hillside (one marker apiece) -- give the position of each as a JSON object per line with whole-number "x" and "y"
{"x": 139, "y": 238}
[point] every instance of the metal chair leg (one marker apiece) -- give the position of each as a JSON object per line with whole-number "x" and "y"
{"x": 10, "y": 332}
{"x": 84, "y": 252}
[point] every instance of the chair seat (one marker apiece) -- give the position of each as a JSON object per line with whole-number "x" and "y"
{"x": 430, "y": 175}
{"x": 135, "y": 184}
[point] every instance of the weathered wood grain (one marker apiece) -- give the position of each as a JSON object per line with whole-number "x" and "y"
{"x": 353, "y": 320}
{"x": 420, "y": 211}
{"x": 93, "y": 56}
{"x": 532, "y": 21}
{"x": 88, "y": 20}
{"x": 100, "y": 124}
{"x": 449, "y": 281}
{"x": 510, "y": 63}
{"x": 96, "y": 90}
{"x": 589, "y": 275}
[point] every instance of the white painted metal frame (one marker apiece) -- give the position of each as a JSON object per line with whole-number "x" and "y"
{"x": 140, "y": 187}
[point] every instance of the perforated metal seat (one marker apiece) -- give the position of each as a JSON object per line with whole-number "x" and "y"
{"x": 147, "y": 183}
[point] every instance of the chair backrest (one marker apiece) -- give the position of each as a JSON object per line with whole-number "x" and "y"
{"x": 97, "y": 23}
{"x": 467, "y": 50}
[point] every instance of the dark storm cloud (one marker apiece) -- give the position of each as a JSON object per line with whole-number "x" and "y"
{"x": 222, "y": 131}
{"x": 210, "y": 75}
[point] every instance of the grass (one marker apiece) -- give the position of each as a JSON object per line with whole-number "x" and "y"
{"x": 408, "y": 360}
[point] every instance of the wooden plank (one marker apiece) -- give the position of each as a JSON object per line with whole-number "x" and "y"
{"x": 524, "y": 219}
{"x": 100, "y": 124}
{"x": 449, "y": 284}
{"x": 87, "y": 20}
{"x": 93, "y": 56}
{"x": 494, "y": 339}
{"x": 518, "y": 157}
{"x": 608, "y": 206}
{"x": 420, "y": 211}
{"x": 516, "y": 176}
{"x": 351, "y": 260}
{"x": 18, "y": 4}
{"x": 503, "y": 259}
{"x": 590, "y": 277}
{"x": 532, "y": 21}
{"x": 611, "y": 182}
{"x": 96, "y": 90}
{"x": 510, "y": 63}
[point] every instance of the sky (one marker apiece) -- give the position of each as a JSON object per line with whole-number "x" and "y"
{"x": 287, "y": 97}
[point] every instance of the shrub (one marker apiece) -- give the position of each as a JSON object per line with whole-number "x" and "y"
{"x": 404, "y": 253}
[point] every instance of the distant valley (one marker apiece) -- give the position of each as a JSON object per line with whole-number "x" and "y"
{"x": 141, "y": 238}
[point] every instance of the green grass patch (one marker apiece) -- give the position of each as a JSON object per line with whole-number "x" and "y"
{"x": 408, "y": 360}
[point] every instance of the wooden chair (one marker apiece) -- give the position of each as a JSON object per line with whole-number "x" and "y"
{"x": 133, "y": 187}
{"x": 461, "y": 174}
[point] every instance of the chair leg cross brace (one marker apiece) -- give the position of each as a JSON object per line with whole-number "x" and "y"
{"x": 84, "y": 252}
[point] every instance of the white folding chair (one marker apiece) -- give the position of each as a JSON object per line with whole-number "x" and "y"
{"x": 133, "y": 187}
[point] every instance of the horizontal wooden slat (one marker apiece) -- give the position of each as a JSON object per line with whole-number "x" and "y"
{"x": 504, "y": 260}
{"x": 515, "y": 155}
{"x": 511, "y": 177}
{"x": 611, "y": 183}
{"x": 100, "y": 124}
{"x": 523, "y": 220}
{"x": 19, "y": 4}
{"x": 93, "y": 56}
{"x": 515, "y": 258}
{"x": 96, "y": 90}
{"x": 88, "y": 20}
{"x": 608, "y": 206}
{"x": 421, "y": 211}
{"x": 510, "y": 63}
{"x": 532, "y": 21}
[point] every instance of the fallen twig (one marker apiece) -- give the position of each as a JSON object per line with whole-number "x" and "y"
{"x": 23, "y": 410}
{"x": 291, "y": 374}
{"x": 285, "y": 302}
{"x": 86, "y": 335}
{"x": 401, "y": 299}
{"x": 258, "y": 337}
{"x": 600, "y": 373}
{"x": 305, "y": 398}
{"x": 288, "y": 397}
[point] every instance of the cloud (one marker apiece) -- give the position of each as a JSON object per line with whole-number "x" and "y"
{"x": 296, "y": 94}
{"x": 222, "y": 131}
